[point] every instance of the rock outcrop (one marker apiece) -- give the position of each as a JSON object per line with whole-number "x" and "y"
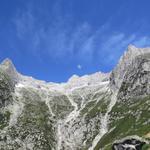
{"x": 91, "y": 112}
{"x": 129, "y": 144}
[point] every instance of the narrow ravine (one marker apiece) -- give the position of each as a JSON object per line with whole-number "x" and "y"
{"x": 61, "y": 123}
{"x": 61, "y": 129}
{"x": 59, "y": 134}
{"x": 75, "y": 112}
{"x": 104, "y": 122}
{"x": 47, "y": 103}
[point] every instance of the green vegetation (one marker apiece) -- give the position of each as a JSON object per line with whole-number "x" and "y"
{"x": 93, "y": 111}
{"x": 61, "y": 106}
{"x": 93, "y": 107}
{"x": 87, "y": 107}
{"x": 146, "y": 147}
{"x": 6, "y": 89}
{"x": 35, "y": 120}
{"x": 35, "y": 123}
{"x": 4, "y": 119}
{"x": 127, "y": 120}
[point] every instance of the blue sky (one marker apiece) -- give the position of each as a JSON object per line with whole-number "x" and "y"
{"x": 54, "y": 39}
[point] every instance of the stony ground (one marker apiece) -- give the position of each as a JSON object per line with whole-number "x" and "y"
{"x": 98, "y": 111}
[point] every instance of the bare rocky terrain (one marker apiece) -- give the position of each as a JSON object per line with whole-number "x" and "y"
{"x": 101, "y": 111}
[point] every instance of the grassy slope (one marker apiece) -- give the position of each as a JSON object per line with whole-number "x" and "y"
{"x": 127, "y": 118}
{"x": 94, "y": 109}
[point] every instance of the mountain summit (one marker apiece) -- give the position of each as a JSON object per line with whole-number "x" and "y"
{"x": 102, "y": 111}
{"x": 8, "y": 67}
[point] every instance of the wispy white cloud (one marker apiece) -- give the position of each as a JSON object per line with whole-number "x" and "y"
{"x": 24, "y": 22}
{"x": 114, "y": 45}
{"x": 60, "y": 40}
{"x": 142, "y": 41}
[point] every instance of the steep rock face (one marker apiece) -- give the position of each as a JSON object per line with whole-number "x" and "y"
{"x": 6, "y": 89}
{"x": 8, "y": 67}
{"x": 136, "y": 79}
{"x": 131, "y": 80}
{"x": 91, "y": 112}
{"x": 131, "y": 76}
{"x": 126, "y": 61}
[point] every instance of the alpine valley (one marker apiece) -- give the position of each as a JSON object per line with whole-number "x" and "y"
{"x": 101, "y": 111}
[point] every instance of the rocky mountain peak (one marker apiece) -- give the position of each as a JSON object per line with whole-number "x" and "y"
{"x": 8, "y": 67}
{"x": 7, "y": 63}
{"x": 130, "y": 54}
{"x": 126, "y": 61}
{"x": 82, "y": 113}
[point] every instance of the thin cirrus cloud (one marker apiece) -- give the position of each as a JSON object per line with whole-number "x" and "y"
{"x": 60, "y": 39}
{"x": 118, "y": 43}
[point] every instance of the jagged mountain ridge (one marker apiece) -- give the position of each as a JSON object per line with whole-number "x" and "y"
{"x": 92, "y": 112}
